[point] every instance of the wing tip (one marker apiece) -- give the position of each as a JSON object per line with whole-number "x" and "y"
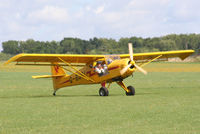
{"x": 187, "y": 54}
{"x": 14, "y": 58}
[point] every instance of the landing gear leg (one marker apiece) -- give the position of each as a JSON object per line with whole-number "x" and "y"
{"x": 128, "y": 90}
{"x": 54, "y": 93}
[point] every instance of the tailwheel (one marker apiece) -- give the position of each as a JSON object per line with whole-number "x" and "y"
{"x": 54, "y": 93}
{"x": 103, "y": 91}
{"x": 131, "y": 91}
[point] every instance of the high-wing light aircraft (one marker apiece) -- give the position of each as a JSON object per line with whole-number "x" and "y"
{"x": 96, "y": 69}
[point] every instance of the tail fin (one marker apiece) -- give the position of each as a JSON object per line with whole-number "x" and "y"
{"x": 57, "y": 70}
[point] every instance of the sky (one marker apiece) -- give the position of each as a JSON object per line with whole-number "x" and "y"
{"x": 48, "y": 20}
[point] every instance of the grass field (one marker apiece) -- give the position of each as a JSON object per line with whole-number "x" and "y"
{"x": 167, "y": 101}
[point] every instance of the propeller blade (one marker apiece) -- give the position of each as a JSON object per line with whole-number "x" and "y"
{"x": 140, "y": 69}
{"x": 125, "y": 69}
{"x": 130, "y": 47}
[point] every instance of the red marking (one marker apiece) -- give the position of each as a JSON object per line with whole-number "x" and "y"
{"x": 103, "y": 84}
{"x": 66, "y": 81}
{"x": 90, "y": 73}
{"x": 113, "y": 68}
{"x": 56, "y": 68}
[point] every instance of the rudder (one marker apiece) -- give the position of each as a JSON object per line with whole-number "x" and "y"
{"x": 57, "y": 70}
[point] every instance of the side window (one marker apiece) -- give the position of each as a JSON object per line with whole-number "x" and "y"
{"x": 101, "y": 68}
{"x": 109, "y": 60}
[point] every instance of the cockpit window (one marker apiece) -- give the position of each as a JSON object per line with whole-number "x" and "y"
{"x": 109, "y": 61}
{"x": 101, "y": 68}
{"x": 111, "y": 58}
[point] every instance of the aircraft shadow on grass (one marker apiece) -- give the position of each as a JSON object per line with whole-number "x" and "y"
{"x": 50, "y": 96}
{"x": 57, "y": 96}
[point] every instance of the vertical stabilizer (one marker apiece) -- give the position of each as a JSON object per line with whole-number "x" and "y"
{"x": 57, "y": 70}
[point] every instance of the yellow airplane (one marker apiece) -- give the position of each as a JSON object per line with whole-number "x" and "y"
{"x": 96, "y": 69}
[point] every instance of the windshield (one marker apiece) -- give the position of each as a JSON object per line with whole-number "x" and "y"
{"x": 111, "y": 58}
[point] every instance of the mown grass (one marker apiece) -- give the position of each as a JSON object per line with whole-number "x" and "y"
{"x": 165, "y": 103}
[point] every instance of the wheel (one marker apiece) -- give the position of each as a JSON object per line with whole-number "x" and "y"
{"x": 132, "y": 91}
{"x": 54, "y": 93}
{"x": 103, "y": 91}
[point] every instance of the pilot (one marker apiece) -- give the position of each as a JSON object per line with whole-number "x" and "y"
{"x": 105, "y": 68}
{"x": 109, "y": 61}
{"x": 99, "y": 68}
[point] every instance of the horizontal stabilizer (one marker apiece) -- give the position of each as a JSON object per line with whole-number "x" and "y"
{"x": 47, "y": 76}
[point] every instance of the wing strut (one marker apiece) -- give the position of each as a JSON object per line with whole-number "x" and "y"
{"x": 142, "y": 65}
{"x": 81, "y": 74}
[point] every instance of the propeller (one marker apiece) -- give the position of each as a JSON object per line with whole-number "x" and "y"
{"x": 132, "y": 62}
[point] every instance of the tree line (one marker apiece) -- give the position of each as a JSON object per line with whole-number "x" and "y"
{"x": 104, "y": 45}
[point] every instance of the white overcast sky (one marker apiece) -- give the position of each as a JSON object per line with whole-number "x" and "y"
{"x": 55, "y": 19}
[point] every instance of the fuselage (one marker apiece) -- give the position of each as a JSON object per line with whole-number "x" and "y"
{"x": 113, "y": 74}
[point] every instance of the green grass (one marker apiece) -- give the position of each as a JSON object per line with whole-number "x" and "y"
{"x": 165, "y": 103}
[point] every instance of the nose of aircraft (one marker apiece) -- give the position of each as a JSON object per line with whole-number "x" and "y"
{"x": 132, "y": 62}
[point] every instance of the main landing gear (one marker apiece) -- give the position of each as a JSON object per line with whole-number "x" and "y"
{"x": 103, "y": 91}
{"x": 130, "y": 90}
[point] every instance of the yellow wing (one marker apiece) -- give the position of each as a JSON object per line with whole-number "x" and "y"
{"x": 54, "y": 58}
{"x": 163, "y": 55}
{"x": 90, "y": 58}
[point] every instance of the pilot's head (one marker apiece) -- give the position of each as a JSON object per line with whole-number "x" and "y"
{"x": 99, "y": 62}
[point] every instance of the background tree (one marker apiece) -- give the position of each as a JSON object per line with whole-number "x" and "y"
{"x": 11, "y": 47}
{"x": 104, "y": 45}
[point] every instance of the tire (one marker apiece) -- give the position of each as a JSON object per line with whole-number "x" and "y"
{"x": 54, "y": 93}
{"x": 103, "y": 91}
{"x": 132, "y": 91}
